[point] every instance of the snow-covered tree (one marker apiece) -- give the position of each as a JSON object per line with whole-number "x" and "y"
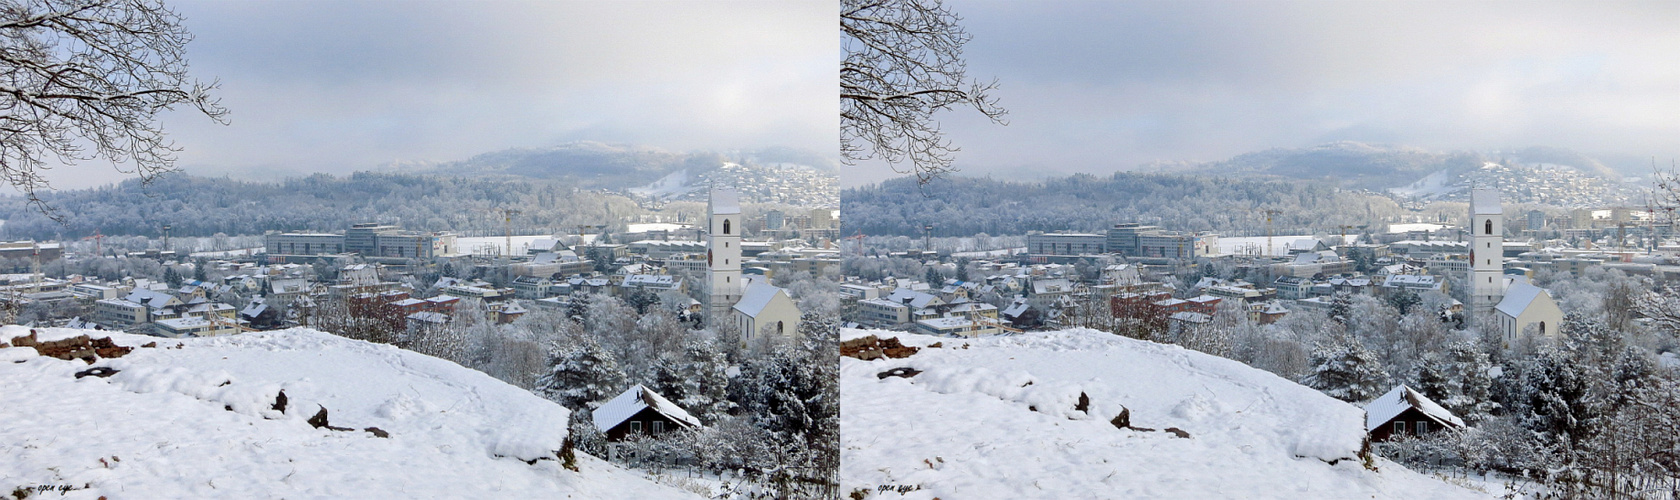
{"x": 1347, "y": 371}
{"x": 582, "y": 374}
{"x": 695, "y": 379}
{"x": 86, "y": 80}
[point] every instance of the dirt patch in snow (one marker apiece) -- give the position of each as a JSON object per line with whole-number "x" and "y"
{"x": 872, "y": 347}
{"x": 78, "y": 347}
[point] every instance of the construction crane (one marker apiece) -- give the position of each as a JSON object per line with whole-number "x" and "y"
{"x": 1269, "y": 214}
{"x": 857, "y": 240}
{"x": 507, "y": 226}
{"x": 1346, "y": 227}
{"x": 98, "y": 243}
{"x": 584, "y": 229}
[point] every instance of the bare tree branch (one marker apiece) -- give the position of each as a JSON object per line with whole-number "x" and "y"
{"x": 903, "y": 62}
{"x": 84, "y": 80}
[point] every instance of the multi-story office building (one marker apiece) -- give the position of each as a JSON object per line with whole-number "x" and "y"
{"x": 303, "y": 243}
{"x": 1068, "y": 244}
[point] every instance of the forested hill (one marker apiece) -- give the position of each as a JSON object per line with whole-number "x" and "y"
{"x": 961, "y": 206}
{"x": 594, "y": 165}
{"x": 203, "y": 206}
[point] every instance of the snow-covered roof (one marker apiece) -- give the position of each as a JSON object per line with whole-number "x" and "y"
{"x": 1383, "y": 409}
{"x": 912, "y": 298}
{"x": 1411, "y": 280}
{"x": 633, "y": 401}
{"x": 946, "y": 322}
{"x": 1485, "y": 202}
{"x": 1518, "y": 297}
{"x": 1191, "y": 317}
{"x": 1057, "y": 285}
{"x": 1016, "y": 308}
{"x": 756, "y": 299}
{"x": 1316, "y": 257}
{"x": 429, "y": 317}
{"x": 254, "y": 309}
{"x": 724, "y": 201}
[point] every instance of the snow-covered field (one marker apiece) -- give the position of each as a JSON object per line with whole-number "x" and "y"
{"x": 1256, "y": 245}
{"x": 996, "y": 418}
{"x": 497, "y": 245}
{"x": 199, "y": 422}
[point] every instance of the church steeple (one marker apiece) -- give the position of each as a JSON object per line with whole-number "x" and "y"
{"x": 1487, "y": 251}
{"x": 723, "y": 252}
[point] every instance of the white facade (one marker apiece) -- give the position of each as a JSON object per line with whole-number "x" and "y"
{"x": 1527, "y": 305}
{"x": 1487, "y": 247}
{"x": 766, "y": 310}
{"x": 723, "y": 252}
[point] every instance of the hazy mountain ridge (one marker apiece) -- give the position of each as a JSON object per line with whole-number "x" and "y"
{"x": 1378, "y": 167}
{"x": 1083, "y": 202}
{"x": 203, "y": 206}
{"x": 596, "y": 165}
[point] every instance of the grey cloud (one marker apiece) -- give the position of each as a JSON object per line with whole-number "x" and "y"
{"x": 1100, "y": 86}
{"x": 337, "y": 86}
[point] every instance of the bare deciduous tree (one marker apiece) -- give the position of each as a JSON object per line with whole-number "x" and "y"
{"x": 903, "y": 62}
{"x": 85, "y": 80}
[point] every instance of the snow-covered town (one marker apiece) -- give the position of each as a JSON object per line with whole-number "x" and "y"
{"x": 658, "y": 347}
{"x": 666, "y": 249}
{"x": 1501, "y": 367}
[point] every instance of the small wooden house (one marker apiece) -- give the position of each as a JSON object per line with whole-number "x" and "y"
{"x": 1405, "y": 412}
{"x": 639, "y": 410}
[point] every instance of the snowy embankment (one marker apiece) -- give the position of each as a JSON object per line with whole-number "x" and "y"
{"x": 997, "y": 418}
{"x": 204, "y": 420}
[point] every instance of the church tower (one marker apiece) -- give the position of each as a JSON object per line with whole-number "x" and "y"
{"x": 723, "y": 253}
{"x": 1487, "y": 251}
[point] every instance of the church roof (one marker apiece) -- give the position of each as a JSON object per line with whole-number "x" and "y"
{"x": 1518, "y": 297}
{"x": 1485, "y": 202}
{"x": 756, "y": 299}
{"x": 724, "y": 201}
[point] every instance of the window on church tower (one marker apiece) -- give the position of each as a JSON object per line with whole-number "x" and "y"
{"x": 1488, "y": 227}
{"x": 726, "y": 226}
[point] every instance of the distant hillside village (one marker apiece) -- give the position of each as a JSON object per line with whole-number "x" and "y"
{"x": 413, "y": 280}
{"x": 1173, "y": 280}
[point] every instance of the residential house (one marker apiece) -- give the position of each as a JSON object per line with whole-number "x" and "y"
{"x": 640, "y": 411}
{"x": 1405, "y": 412}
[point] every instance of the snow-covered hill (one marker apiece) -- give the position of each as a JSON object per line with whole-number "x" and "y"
{"x": 201, "y": 421}
{"x": 998, "y": 418}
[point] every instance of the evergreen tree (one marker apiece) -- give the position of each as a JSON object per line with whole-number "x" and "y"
{"x": 171, "y": 277}
{"x": 1432, "y": 377}
{"x": 1404, "y": 300}
{"x": 1472, "y": 373}
{"x": 1347, "y": 371}
{"x": 582, "y": 374}
{"x": 696, "y": 380}
{"x": 1341, "y": 305}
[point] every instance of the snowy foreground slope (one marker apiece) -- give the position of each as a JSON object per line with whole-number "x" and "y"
{"x": 199, "y": 422}
{"x": 998, "y": 420}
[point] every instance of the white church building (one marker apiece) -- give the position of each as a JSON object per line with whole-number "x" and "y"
{"x": 1512, "y": 301}
{"x": 751, "y": 303}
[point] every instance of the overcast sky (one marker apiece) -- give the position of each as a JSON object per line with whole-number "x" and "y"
{"x": 1103, "y": 86}
{"x": 341, "y": 86}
